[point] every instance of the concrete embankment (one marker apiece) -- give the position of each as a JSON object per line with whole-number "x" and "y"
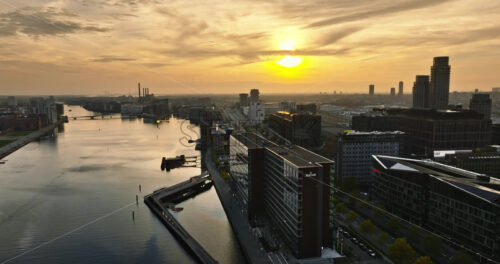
{"x": 239, "y": 221}
{"x": 20, "y": 142}
{"x": 158, "y": 200}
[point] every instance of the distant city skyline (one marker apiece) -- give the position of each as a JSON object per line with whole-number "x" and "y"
{"x": 181, "y": 47}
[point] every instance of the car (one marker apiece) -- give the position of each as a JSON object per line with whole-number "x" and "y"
{"x": 371, "y": 253}
{"x": 361, "y": 245}
{"x": 354, "y": 240}
{"x": 346, "y": 234}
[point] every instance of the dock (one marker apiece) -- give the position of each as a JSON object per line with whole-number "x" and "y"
{"x": 161, "y": 200}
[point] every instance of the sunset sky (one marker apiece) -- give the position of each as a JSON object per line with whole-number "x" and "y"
{"x": 216, "y": 46}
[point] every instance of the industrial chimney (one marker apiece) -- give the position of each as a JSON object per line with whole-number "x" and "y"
{"x": 139, "y": 88}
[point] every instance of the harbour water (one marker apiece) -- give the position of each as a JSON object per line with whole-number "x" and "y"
{"x": 69, "y": 198}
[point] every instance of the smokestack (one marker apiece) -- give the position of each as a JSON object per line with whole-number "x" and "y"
{"x": 139, "y": 88}
{"x": 144, "y": 92}
{"x": 148, "y": 90}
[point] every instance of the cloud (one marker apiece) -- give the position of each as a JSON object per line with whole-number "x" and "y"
{"x": 337, "y": 35}
{"x": 111, "y": 59}
{"x": 373, "y": 12}
{"x": 155, "y": 64}
{"x": 35, "y": 23}
{"x": 242, "y": 57}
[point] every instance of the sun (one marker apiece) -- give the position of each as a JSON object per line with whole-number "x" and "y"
{"x": 289, "y": 61}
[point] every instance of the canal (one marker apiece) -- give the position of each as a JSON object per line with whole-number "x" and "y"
{"x": 69, "y": 198}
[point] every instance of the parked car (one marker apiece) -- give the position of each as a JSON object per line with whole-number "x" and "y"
{"x": 354, "y": 240}
{"x": 371, "y": 253}
{"x": 346, "y": 234}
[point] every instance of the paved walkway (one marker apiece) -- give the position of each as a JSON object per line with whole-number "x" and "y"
{"x": 239, "y": 221}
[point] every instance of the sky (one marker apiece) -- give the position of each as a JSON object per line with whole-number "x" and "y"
{"x": 196, "y": 47}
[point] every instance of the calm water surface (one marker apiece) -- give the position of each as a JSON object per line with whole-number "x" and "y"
{"x": 69, "y": 198}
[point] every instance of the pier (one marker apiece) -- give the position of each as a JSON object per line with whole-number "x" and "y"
{"x": 162, "y": 200}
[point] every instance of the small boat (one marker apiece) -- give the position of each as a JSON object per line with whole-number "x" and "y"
{"x": 178, "y": 209}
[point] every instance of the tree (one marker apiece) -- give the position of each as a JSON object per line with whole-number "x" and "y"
{"x": 433, "y": 245}
{"x": 341, "y": 208}
{"x": 379, "y": 212}
{"x": 401, "y": 252}
{"x": 349, "y": 184}
{"x": 423, "y": 260}
{"x": 383, "y": 238}
{"x": 394, "y": 224}
{"x": 413, "y": 234}
{"x": 461, "y": 258}
{"x": 351, "y": 217}
{"x": 365, "y": 205}
{"x": 367, "y": 227}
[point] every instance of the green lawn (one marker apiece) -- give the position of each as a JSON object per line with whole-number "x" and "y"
{"x": 5, "y": 142}
{"x": 19, "y": 133}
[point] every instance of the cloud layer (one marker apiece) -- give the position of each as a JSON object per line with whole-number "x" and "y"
{"x": 345, "y": 43}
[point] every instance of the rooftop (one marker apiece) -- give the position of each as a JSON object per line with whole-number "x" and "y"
{"x": 374, "y": 133}
{"x": 296, "y": 155}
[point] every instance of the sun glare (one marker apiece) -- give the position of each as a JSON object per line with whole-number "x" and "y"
{"x": 287, "y": 45}
{"x": 289, "y": 61}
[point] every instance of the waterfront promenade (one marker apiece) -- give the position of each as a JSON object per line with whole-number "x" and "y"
{"x": 157, "y": 203}
{"x": 20, "y": 142}
{"x": 239, "y": 221}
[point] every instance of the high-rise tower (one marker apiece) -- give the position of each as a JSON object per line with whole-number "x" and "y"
{"x": 372, "y": 89}
{"x": 421, "y": 90}
{"x": 400, "y": 92}
{"x": 440, "y": 83}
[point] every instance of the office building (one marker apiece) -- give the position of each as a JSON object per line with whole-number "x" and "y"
{"x": 11, "y": 101}
{"x": 480, "y": 160}
{"x": 355, "y": 150}
{"x": 430, "y": 130}
{"x": 311, "y": 108}
{"x": 290, "y": 107}
{"x": 400, "y": 91}
{"x": 254, "y": 95}
{"x": 495, "y": 90}
{"x": 256, "y": 112}
{"x": 284, "y": 185}
{"x": 458, "y": 204}
{"x": 243, "y": 99}
{"x": 372, "y": 89}
{"x": 481, "y": 103}
{"x": 440, "y": 83}
{"x": 302, "y": 128}
{"x": 421, "y": 92}
{"x": 495, "y": 138}
{"x": 393, "y": 91}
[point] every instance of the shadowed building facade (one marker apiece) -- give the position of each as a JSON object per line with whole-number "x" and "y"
{"x": 283, "y": 185}
{"x": 458, "y": 204}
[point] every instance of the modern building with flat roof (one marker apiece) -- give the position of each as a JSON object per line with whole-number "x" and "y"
{"x": 430, "y": 130}
{"x": 460, "y": 205}
{"x": 481, "y": 103}
{"x": 302, "y": 128}
{"x": 355, "y": 150}
{"x": 284, "y": 184}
